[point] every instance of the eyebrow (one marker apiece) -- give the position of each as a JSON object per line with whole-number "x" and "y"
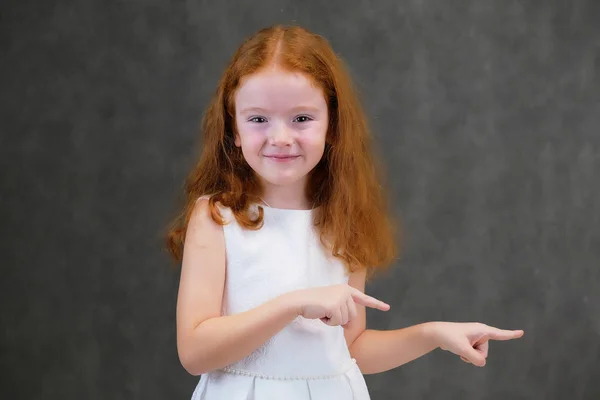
{"x": 295, "y": 109}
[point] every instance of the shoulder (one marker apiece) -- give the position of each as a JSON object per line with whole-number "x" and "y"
{"x": 207, "y": 206}
{"x": 202, "y": 226}
{"x": 201, "y": 210}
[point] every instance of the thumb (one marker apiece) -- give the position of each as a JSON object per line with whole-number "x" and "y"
{"x": 473, "y": 356}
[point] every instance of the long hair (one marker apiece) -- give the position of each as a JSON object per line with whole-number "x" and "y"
{"x": 352, "y": 215}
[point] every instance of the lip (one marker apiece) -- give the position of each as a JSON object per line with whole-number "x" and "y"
{"x": 281, "y": 158}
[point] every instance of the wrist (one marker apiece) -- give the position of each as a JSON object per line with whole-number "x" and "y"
{"x": 431, "y": 332}
{"x": 292, "y": 303}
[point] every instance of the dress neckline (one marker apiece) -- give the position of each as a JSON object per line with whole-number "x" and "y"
{"x": 266, "y": 206}
{"x": 285, "y": 211}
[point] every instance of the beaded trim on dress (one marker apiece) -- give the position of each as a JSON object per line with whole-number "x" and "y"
{"x": 289, "y": 378}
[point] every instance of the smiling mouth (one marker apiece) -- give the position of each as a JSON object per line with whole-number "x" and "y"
{"x": 282, "y": 158}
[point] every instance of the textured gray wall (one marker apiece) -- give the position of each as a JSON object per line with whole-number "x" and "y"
{"x": 487, "y": 113}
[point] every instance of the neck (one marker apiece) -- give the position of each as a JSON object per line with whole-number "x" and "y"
{"x": 286, "y": 197}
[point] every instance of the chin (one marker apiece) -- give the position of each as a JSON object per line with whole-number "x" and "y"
{"x": 282, "y": 180}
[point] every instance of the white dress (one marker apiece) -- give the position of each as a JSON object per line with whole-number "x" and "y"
{"x": 307, "y": 360}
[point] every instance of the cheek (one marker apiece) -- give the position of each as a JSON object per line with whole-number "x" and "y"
{"x": 251, "y": 142}
{"x": 314, "y": 146}
{"x": 248, "y": 136}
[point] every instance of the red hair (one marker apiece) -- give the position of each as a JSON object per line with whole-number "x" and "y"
{"x": 352, "y": 216}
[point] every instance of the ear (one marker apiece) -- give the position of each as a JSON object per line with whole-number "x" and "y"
{"x": 236, "y": 140}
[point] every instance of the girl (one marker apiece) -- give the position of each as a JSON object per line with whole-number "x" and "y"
{"x": 285, "y": 219}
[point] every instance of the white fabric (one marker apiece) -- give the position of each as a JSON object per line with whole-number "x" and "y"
{"x": 307, "y": 360}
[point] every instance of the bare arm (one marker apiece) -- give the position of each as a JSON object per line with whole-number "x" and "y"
{"x": 205, "y": 339}
{"x": 378, "y": 351}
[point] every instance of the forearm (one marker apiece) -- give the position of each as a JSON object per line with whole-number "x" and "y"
{"x": 379, "y": 351}
{"x": 220, "y": 341}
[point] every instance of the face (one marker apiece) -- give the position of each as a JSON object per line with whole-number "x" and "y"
{"x": 281, "y": 119}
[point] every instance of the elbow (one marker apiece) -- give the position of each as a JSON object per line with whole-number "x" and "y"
{"x": 361, "y": 363}
{"x": 197, "y": 353}
{"x": 192, "y": 369}
{"x": 191, "y": 361}
{"x": 190, "y": 364}
{"x": 357, "y": 354}
{"x": 193, "y": 365}
{"x": 358, "y": 361}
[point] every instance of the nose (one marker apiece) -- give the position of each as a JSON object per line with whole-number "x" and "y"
{"x": 281, "y": 136}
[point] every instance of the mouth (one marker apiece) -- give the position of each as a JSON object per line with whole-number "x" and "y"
{"x": 282, "y": 158}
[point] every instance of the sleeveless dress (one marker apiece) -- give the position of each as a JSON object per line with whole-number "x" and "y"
{"x": 307, "y": 360}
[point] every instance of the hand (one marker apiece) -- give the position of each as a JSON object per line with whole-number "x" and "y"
{"x": 334, "y": 305}
{"x": 470, "y": 340}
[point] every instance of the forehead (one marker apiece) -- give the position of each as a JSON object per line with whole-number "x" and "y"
{"x": 277, "y": 88}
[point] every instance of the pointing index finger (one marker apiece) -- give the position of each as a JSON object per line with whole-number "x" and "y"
{"x": 503, "y": 334}
{"x": 368, "y": 301}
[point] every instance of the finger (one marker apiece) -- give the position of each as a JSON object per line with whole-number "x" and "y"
{"x": 344, "y": 314}
{"x": 473, "y": 356}
{"x": 352, "y": 311}
{"x": 482, "y": 348}
{"x": 335, "y": 319}
{"x": 326, "y": 318}
{"x": 503, "y": 334}
{"x": 465, "y": 360}
{"x": 368, "y": 301}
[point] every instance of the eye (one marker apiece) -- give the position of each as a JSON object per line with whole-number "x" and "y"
{"x": 303, "y": 118}
{"x": 258, "y": 120}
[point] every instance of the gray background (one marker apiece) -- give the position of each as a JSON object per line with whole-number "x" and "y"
{"x": 487, "y": 115}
